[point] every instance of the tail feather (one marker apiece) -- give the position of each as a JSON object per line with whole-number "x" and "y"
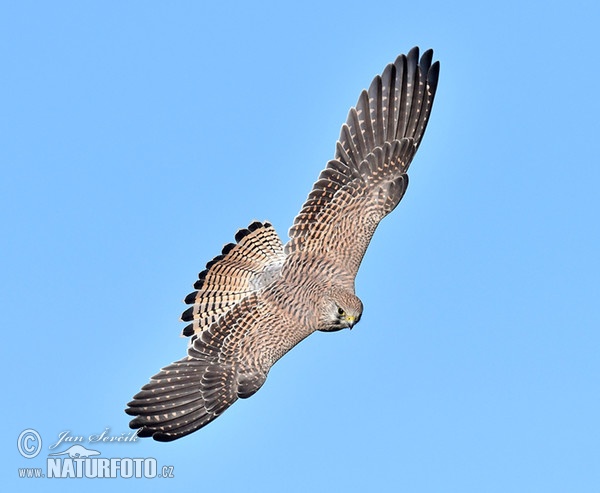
{"x": 241, "y": 269}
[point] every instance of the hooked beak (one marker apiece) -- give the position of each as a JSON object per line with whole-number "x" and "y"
{"x": 350, "y": 320}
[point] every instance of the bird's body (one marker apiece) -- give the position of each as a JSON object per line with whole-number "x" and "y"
{"x": 260, "y": 298}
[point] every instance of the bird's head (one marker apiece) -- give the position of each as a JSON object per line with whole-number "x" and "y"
{"x": 341, "y": 309}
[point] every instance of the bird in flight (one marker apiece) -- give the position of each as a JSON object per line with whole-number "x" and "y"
{"x": 259, "y": 298}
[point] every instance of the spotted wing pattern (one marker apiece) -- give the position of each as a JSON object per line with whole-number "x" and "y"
{"x": 227, "y": 361}
{"x": 367, "y": 178}
{"x": 229, "y": 350}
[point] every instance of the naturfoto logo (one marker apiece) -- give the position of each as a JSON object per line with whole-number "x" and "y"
{"x": 78, "y": 461}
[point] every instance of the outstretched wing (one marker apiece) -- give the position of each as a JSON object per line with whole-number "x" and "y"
{"x": 367, "y": 178}
{"x": 227, "y": 361}
{"x": 236, "y": 332}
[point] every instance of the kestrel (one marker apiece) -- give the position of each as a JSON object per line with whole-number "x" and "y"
{"x": 259, "y": 298}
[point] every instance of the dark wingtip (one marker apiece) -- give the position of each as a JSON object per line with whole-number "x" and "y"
{"x": 425, "y": 62}
{"x": 144, "y": 432}
{"x": 413, "y": 55}
{"x": 164, "y": 437}
{"x": 433, "y": 75}
{"x": 136, "y": 424}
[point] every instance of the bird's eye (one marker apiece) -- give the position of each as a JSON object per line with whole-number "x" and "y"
{"x": 341, "y": 311}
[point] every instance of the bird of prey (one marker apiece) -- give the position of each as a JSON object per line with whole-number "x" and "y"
{"x": 259, "y": 298}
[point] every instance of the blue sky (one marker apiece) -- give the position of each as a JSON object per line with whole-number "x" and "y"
{"x": 137, "y": 137}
